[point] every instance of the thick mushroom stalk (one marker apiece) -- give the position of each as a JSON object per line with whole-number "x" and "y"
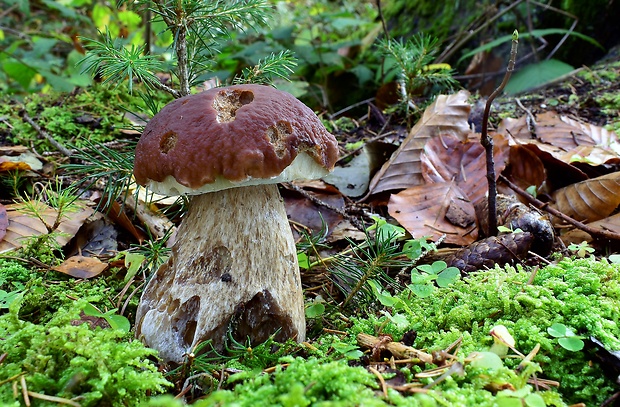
{"x": 233, "y": 270}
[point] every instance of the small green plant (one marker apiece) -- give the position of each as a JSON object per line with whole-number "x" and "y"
{"x": 198, "y": 29}
{"x": 566, "y": 337}
{"x": 581, "y": 249}
{"x": 62, "y": 200}
{"x": 438, "y": 272}
{"x": 114, "y": 320}
{"x": 411, "y": 63}
{"x": 66, "y": 358}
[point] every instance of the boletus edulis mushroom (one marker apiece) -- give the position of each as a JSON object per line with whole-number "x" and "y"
{"x": 233, "y": 268}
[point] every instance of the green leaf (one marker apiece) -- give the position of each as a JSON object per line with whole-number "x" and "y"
{"x": 534, "y": 400}
{"x": 417, "y": 278}
{"x": 487, "y": 360}
{"x": 614, "y": 258}
{"x": 118, "y": 322}
{"x": 537, "y": 74}
{"x": 534, "y": 33}
{"x": 19, "y": 72}
{"x": 422, "y": 290}
{"x": 571, "y": 343}
{"x": 399, "y": 320}
{"x": 133, "y": 261}
{"x": 302, "y": 259}
{"x": 557, "y": 330}
{"x": 91, "y": 311}
{"x": 315, "y": 310}
{"x": 448, "y": 276}
{"x": 7, "y": 298}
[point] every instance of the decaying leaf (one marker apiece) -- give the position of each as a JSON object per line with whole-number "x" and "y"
{"x": 447, "y": 116}
{"x": 524, "y": 168}
{"x": 23, "y": 225}
{"x": 424, "y": 210}
{"x": 589, "y": 200}
{"x": 446, "y": 158}
{"x": 82, "y": 267}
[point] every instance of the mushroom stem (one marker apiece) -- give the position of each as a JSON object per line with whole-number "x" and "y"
{"x": 233, "y": 270}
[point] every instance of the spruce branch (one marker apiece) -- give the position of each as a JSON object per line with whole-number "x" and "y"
{"x": 487, "y": 141}
{"x": 114, "y": 61}
{"x": 279, "y": 65}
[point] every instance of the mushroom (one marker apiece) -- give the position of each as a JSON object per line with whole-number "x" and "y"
{"x": 233, "y": 269}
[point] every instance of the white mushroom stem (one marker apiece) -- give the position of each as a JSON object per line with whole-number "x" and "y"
{"x": 233, "y": 270}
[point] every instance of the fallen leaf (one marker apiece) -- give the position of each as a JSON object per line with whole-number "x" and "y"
{"x": 525, "y": 168}
{"x": 446, "y": 158}
{"x": 82, "y": 267}
{"x": 589, "y": 200}
{"x": 424, "y": 209}
{"x": 22, "y": 225}
{"x": 447, "y": 115}
{"x": 551, "y": 130}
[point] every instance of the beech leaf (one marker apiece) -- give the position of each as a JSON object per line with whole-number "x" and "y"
{"x": 589, "y": 200}
{"x": 82, "y": 267}
{"x": 447, "y": 115}
{"x": 427, "y": 210}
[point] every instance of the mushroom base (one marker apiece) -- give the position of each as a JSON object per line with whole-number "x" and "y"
{"x": 233, "y": 271}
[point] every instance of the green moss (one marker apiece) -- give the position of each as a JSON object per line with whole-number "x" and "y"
{"x": 66, "y": 358}
{"x": 581, "y": 294}
{"x": 95, "y": 114}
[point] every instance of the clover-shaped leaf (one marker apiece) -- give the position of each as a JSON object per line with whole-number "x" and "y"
{"x": 434, "y": 268}
{"x": 448, "y": 276}
{"x": 422, "y": 290}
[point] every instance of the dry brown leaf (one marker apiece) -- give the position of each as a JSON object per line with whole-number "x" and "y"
{"x": 553, "y": 131}
{"x": 82, "y": 267}
{"x": 589, "y": 200}
{"x": 435, "y": 210}
{"x": 447, "y": 115}
{"x": 525, "y": 168}
{"x": 446, "y": 158}
{"x": 610, "y": 223}
{"x": 603, "y": 138}
{"x": 518, "y": 129}
{"x": 559, "y": 173}
{"x": 22, "y": 225}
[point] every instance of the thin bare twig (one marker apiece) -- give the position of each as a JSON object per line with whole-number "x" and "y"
{"x": 487, "y": 141}
{"x": 45, "y": 134}
{"x": 354, "y": 221}
{"x": 594, "y": 232}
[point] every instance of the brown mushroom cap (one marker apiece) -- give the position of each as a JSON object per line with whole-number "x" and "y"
{"x": 232, "y": 136}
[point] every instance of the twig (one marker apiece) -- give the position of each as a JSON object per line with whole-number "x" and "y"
{"x": 381, "y": 379}
{"x": 45, "y": 134}
{"x": 487, "y": 141}
{"x": 54, "y": 399}
{"x": 397, "y": 349}
{"x": 594, "y": 232}
{"x": 354, "y": 221}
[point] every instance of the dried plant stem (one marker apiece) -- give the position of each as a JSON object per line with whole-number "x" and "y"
{"x": 594, "y": 232}
{"x": 45, "y": 134}
{"x": 487, "y": 141}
